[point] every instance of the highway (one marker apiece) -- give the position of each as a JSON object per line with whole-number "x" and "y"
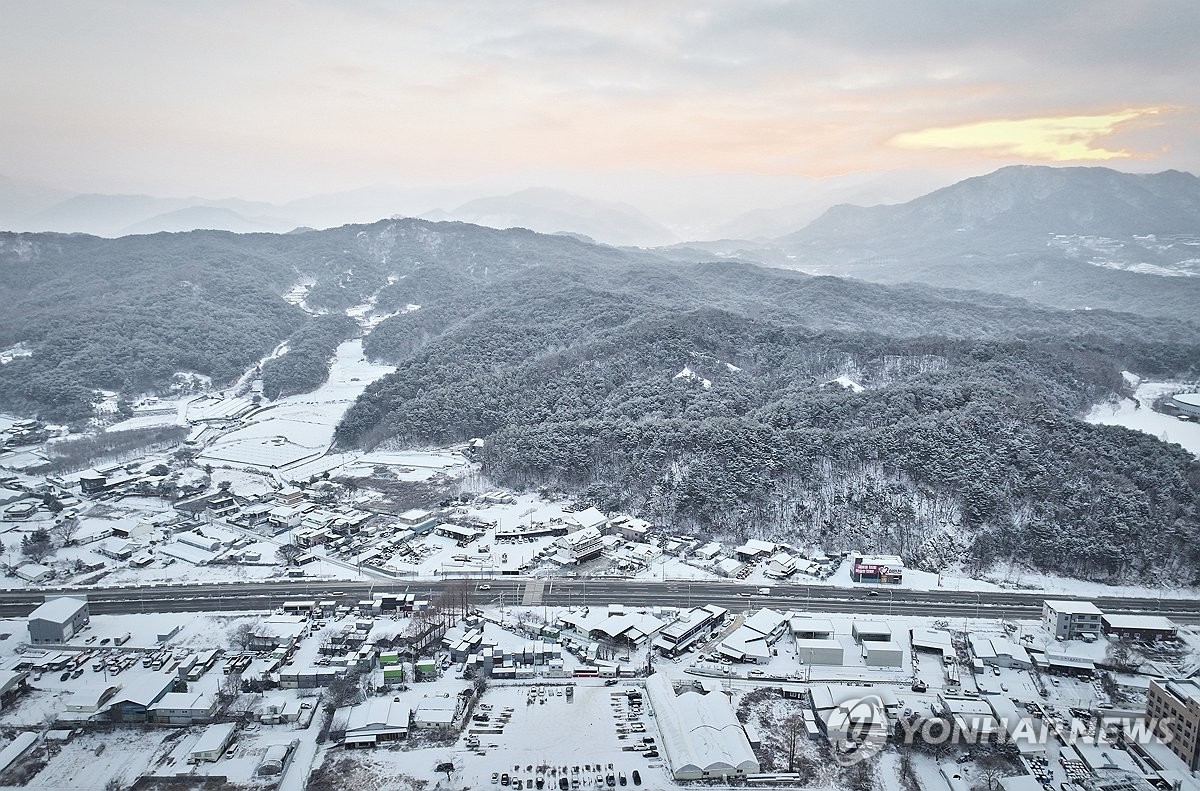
{"x": 573, "y": 591}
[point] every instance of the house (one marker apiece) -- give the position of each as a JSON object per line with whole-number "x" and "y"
{"x": 289, "y": 495}
{"x": 213, "y": 742}
{"x": 34, "y": 572}
{"x": 588, "y": 518}
{"x": 709, "y": 551}
{"x": 58, "y": 619}
{"x": 780, "y": 566}
{"x": 276, "y": 710}
{"x": 754, "y": 549}
{"x": 183, "y": 708}
{"x": 630, "y": 528}
{"x": 284, "y": 517}
{"x": 1072, "y": 620}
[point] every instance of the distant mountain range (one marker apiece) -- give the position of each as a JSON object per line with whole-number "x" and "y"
{"x": 1077, "y": 238}
{"x": 554, "y": 211}
{"x": 29, "y": 207}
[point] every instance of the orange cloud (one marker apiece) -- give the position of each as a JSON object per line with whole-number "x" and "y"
{"x": 1061, "y": 139}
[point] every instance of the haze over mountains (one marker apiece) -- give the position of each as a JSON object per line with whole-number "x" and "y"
{"x": 698, "y": 208}
{"x": 699, "y": 393}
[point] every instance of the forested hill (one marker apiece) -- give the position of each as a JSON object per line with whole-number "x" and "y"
{"x": 703, "y": 397}
{"x": 127, "y": 313}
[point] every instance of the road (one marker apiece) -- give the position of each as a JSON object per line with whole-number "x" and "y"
{"x": 268, "y": 595}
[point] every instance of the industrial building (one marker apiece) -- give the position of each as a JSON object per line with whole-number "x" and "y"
{"x": 811, "y": 628}
{"x": 701, "y": 735}
{"x": 1187, "y": 404}
{"x": 1139, "y": 627}
{"x": 1072, "y": 620}
{"x": 376, "y": 720}
{"x": 58, "y": 619}
{"x": 882, "y": 654}
{"x": 1173, "y": 707}
{"x": 871, "y": 632}
{"x": 819, "y": 651}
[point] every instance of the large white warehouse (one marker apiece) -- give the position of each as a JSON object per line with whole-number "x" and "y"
{"x": 700, "y": 733}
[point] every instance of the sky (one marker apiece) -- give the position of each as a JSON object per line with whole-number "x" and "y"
{"x": 674, "y": 107}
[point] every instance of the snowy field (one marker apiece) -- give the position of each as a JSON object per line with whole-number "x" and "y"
{"x": 1135, "y": 413}
{"x": 305, "y": 421}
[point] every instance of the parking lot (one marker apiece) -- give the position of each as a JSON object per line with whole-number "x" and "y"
{"x": 571, "y": 735}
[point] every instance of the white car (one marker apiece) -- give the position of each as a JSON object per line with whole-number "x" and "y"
{"x": 484, "y": 587}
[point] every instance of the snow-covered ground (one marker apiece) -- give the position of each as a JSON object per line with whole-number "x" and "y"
{"x": 1135, "y": 413}
{"x": 301, "y": 426}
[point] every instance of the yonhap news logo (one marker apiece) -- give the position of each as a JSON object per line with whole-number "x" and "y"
{"x": 859, "y": 728}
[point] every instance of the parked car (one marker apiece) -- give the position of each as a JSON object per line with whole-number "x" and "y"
{"x": 637, "y": 777}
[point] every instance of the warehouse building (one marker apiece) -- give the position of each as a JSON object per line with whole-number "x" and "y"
{"x": 871, "y": 632}
{"x": 700, "y": 733}
{"x": 819, "y": 651}
{"x": 58, "y": 619}
{"x": 882, "y": 654}
{"x": 811, "y": 628}
{"x": 1139, "y": 627}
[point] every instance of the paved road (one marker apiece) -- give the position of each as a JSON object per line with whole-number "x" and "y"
{"x": 202, "y": 597}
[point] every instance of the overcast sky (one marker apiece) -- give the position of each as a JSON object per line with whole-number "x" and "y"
{"x": 643, "y": 101}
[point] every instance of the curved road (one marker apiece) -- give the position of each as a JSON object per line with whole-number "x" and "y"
{"x": 567, "y": 591}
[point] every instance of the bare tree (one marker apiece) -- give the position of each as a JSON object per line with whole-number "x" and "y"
{"x": 229, "y": 688}
{"x": 793, "y": 730}
{"x": 989, "y": 779}
{"x": 288, "y": 553}
{"x": 65, "y": 529}
{"x": 242, "y": 637}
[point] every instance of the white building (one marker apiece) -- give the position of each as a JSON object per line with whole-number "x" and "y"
{"x": 582, "y": 545}
{"x": 882, "y": 654}
{"x": 700, "y": 733}
{"x": 1072, "y": 620}
{"x": 377, "y": 720}
{"x": 212, "y": 743}
{"x": 819, "y": 651}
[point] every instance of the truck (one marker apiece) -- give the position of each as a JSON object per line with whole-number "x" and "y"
{"x": 122, "y": 640}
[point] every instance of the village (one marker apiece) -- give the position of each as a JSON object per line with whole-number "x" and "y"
{"x": 453, "y": 663}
